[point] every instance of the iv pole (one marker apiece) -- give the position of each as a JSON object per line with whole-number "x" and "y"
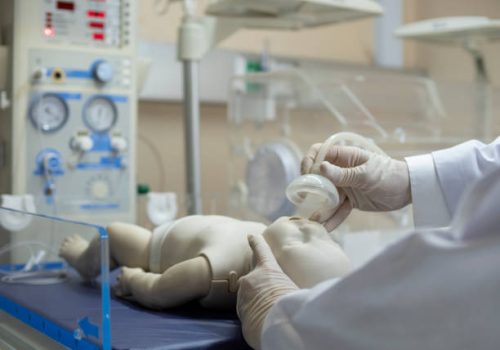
{"x": 195, "y": 38}
{"x": 190, "y": 66}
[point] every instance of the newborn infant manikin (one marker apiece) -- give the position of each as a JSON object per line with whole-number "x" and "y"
{"x": 202, "y": 257}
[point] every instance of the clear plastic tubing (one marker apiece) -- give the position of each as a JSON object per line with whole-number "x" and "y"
{"x": 315, "y": 194}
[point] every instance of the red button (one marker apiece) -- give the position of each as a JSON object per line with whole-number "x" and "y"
{"x": 98, "y": 36}
{"x": 48, "y": 31}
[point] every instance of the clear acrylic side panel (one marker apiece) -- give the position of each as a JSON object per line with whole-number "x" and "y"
{"x": 42, "y": 290}
{"x": 275, "y": 117}
{"x": 471, "y": 110}
{"x": 380, "y": 105}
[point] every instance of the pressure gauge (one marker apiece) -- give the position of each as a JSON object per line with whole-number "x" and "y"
{"x": 100, "y": 114}
{"x": 49, "y": 113}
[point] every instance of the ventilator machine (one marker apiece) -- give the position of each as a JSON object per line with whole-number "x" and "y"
{"x": 67, "y": 126}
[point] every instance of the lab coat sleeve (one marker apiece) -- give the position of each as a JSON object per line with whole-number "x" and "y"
{"x": 429, "y": 206}
{"x": 435, "y": 289}
{"x": 279, "y": 332}
{"x": 460, "y": 166}
{"x": 427, "y": 292}
{"x": 438, "y": 180}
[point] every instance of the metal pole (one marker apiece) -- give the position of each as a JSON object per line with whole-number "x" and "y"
{"x": 192, "y": 136}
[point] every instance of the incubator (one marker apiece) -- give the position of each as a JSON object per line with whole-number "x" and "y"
{"x": 276, "y": 116}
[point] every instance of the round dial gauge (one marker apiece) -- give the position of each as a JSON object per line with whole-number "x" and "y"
{"x": 49, "y": 113}
{"x": 100, "y": 114}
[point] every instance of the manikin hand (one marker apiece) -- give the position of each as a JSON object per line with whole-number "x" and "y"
{"x": 259, "y": 290}
{"x": 365, "y": 180}
{"x": 122, "y": 287}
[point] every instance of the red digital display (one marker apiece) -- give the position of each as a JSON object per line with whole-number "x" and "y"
{"x": 97, "y": 25}
{"x": 97, "y": 14}
{"x": 98, "y": 36}
{"x": 65, "y": 5}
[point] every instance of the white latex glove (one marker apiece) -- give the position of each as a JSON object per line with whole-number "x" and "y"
{"x": 365, "y": 180}
{"x": 259, "y": 290}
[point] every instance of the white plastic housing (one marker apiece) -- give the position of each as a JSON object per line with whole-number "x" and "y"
{"x": 293, "y": 14}
{"x": 452, "y": 29}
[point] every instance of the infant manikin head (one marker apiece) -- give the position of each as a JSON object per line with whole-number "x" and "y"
{"x": 305, "y": 252}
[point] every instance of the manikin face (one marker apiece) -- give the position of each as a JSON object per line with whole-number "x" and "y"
{"x": 304, "y": 251}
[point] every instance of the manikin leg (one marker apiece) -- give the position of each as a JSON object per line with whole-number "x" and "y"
{"x": 128, "y": 246}
{"x": 186, "y": 281}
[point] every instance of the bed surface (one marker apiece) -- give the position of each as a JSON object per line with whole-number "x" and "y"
{"x": 132, "y": 326}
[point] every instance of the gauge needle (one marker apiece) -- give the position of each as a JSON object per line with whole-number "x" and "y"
{"x": 50, "y": 111}
{"x": 100, "y": 112}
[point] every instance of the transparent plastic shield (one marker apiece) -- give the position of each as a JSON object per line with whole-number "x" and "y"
{"x": 294, "y": 109}
{"x": 382, "y": 106}
{"x": 39, "y": 288}
{"x": 471, "y": 110}
{"x": 403, "y": 113}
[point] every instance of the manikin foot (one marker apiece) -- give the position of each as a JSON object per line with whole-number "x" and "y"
{"x": 80, "y": 255}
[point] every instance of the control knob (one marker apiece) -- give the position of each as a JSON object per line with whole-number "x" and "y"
{"x": 82, "y": 143}
{"x": 103, "y": 71}
{"x": 118, "y": 143}
{"x": 100, "y": 189}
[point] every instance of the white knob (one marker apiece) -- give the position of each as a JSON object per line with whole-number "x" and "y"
{"x": 39, "y": 73}
{"x": 100, "y": 189}
{"x": 118, "y": 144}
{"x": 82, "y": 143}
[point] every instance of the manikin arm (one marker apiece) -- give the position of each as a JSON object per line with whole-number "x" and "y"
{"x": 183, "y": 282}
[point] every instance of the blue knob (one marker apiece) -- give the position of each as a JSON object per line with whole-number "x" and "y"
{"x": 54, "y": 163}
{"x": 49, "y": 162}
{"x": 103, "y": 71}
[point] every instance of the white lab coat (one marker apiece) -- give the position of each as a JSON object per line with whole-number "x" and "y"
{"x": 436, "y": 289}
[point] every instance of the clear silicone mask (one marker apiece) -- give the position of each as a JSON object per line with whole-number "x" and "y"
{"x": 315, "y": 195}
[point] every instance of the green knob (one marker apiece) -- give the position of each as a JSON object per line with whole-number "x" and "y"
{"x": 142, "y": 189}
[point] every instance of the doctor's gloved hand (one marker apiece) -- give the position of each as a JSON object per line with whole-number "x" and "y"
{"x": 259, "y": 290}
{"x": 365, "y": 180}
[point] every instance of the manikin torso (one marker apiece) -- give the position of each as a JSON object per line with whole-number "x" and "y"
{"x": 302, "y": 247}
